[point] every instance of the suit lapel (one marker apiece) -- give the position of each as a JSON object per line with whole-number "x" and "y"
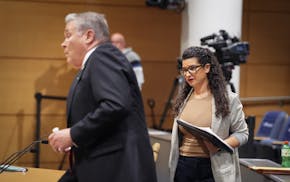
{"x": 71, "y": 93}
{"x": 72, "y": 90}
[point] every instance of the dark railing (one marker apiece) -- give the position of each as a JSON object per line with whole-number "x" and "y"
{"x": 280, "y": 100}
{"x": 38, "y": 96}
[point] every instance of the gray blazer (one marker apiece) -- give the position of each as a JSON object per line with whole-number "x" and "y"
{"x": 225, "y": 166}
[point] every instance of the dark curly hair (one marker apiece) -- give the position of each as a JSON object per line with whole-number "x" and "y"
{"x": 215, "y": 77}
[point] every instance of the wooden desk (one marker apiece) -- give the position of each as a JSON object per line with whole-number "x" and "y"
{"x": 251, "y": 174}
{"x": 32, "y": 175}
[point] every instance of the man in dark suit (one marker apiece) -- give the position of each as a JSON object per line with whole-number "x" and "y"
{"x": 107, "y": 133}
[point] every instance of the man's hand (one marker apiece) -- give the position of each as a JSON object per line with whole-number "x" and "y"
{"x": 60, "y": 140}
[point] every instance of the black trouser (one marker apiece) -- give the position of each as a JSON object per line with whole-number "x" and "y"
{"x": 193, "y": 169}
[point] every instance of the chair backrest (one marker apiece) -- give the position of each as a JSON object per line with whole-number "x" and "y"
{"x": 156, "y": 148}
{"x": 251, "y": 120}
{"x": 285, "y": 133}
{"x": 279, "y": 125}
{"x": 270, "y": 122}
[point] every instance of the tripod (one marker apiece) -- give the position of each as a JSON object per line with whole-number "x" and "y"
{"x": 178, "y": 81}
{"x": 227, "y": 71}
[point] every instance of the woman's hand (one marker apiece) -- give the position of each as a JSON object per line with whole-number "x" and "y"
{"x": 211, "y": 148}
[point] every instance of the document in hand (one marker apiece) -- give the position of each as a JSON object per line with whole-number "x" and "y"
{"x": 207, "y": 133}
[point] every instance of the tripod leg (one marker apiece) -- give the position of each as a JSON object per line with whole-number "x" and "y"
{"x": 176, "y": 82}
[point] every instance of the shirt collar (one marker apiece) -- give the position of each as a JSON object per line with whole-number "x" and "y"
{"x": 87, "y": 56}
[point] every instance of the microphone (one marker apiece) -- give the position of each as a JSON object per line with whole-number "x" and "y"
{"x": 44, "y": 141}
{"x": 6, "y": 164}
{"x": 212, "y": 36}
{"x": 14, "y": 168}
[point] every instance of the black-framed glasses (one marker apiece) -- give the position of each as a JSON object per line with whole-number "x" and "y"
{"x": 191, "y": 69}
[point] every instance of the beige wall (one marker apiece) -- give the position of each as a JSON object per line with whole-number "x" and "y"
{"x": 31, "y": 60}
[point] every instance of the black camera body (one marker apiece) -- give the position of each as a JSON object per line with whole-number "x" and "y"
{"x": 228, "y": 50}
{"x": 177, "y": 5}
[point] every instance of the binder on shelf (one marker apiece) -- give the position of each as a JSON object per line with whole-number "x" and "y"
{"x": 207, "y": 133}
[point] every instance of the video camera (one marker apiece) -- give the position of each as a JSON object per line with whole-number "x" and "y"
{"x": 228, "y": 50}
{"x": 177, "y": 5}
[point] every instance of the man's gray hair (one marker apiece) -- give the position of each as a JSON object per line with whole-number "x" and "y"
{"x": 90, "y": 20}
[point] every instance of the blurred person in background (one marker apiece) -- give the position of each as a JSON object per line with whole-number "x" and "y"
{"x": 119, "y": 41}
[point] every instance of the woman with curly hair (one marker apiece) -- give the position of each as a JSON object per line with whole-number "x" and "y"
{"x": 205, "y": 101}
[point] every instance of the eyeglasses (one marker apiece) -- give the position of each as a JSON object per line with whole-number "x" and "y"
{"x": 191, "y": 69}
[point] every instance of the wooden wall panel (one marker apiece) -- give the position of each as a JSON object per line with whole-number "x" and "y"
{"x": 21, "y": 79}
{"x": 155, "y": 34}
{"x": 268, "y": 80}
{"x": 91, "y": 2}
{"x": 35, "y": 29}
{"x": 269, "y": 45}
{"x": 159, "y": 78}
{"x": 15, "y": 133}
{"x": 31, "y": 30}
{"x": 269, "y": 5}
{"x": 266, "y": 25}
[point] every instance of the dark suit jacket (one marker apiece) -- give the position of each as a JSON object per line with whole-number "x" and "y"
{"x": 106, "y": 116}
